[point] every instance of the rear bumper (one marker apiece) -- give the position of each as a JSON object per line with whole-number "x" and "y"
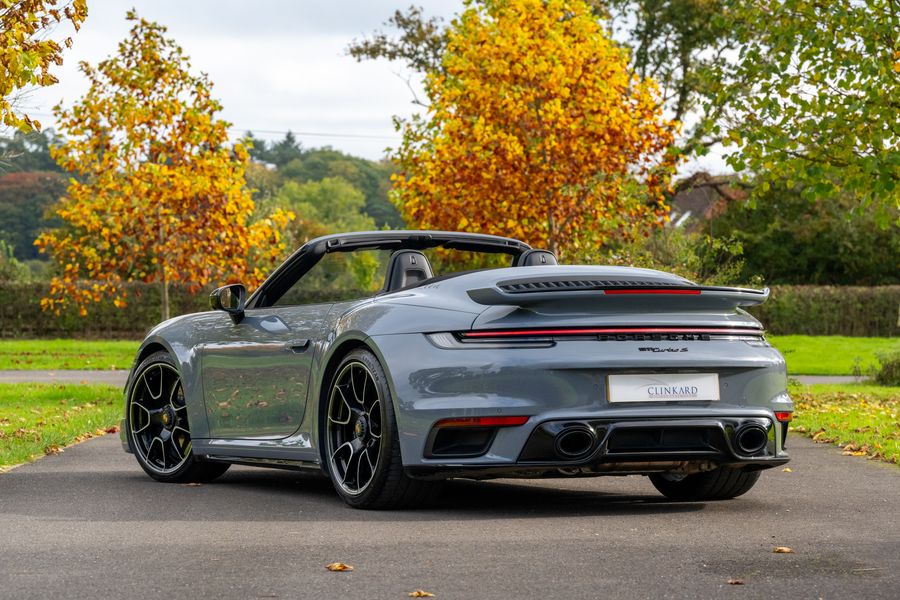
{"x": 568, "y": 383}
{"x": 625, "y": 446}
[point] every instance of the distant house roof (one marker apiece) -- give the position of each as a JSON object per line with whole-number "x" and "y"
{"x": 702, "y": 197}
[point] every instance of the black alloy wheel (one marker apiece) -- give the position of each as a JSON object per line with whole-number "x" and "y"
{"x": 354, "y": 428}
{"x": 362, "y": 446}
{"x": 157, "y": 424}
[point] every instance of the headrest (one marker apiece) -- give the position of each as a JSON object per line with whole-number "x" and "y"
{"x": 535, "y": 257}
{"x": 407, "y": 267}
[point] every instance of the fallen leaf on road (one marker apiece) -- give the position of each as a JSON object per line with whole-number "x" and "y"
{"x": 735, "y": 581}
{"x": 338, "y": 566}
{"x": 193, "y": 484}
{"x": 783, "y": 550}
{"x": 787, "y": 470}
{"x": 54, "y": 449}
{"x": 420, "y": 594}
{"x": 113, "y": 429}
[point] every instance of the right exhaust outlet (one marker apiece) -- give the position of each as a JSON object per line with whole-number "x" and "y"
{"x": 750, "y": 439}
{"x": 575, "y": 442}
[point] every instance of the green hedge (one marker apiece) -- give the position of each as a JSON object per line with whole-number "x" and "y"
{"x": 809, "y": 310}
{"x": 831, "y": 310}
{"x": 21, "y": 315}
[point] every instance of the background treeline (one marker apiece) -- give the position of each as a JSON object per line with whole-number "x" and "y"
{"x": 781, "y": 237}
{"x": 327, "y": 189}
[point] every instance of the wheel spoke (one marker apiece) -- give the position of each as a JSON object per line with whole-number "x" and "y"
{"x": 347, "y": 445}
{"x": 375, "y": 420}
{"x": 345, "y": 404}
{"x": 353, "y": 383}
{"x": 359, "y": 468}
{"x": 173, "y": 392}
{"x": 143, "y": 408}
{"x": 174, "y": 446}
{"x": 354, "y": 456}
{"x": 157, "y": 395}
{"x": 162, "y": 449}
{"x": 362, "y": 398}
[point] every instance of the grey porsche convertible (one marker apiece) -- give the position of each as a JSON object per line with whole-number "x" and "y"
{"x": 394, "y": 360}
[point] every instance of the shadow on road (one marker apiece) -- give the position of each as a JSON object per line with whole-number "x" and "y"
{"x": 459, "y": 499}
{"x": 248, "y": 495}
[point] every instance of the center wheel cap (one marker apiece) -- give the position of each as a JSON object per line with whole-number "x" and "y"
{"x": 168, "y": 418}
{"x": 361, "y": 428}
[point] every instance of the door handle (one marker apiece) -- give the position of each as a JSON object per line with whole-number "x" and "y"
{"x": 298, "y": 346}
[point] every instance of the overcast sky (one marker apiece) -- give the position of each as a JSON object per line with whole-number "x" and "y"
{"x": 276, "y": 65}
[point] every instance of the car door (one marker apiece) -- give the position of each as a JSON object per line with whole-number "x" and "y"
{"x": 255, "y": 373}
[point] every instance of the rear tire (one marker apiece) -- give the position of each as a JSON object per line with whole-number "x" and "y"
{"x": 723, "y": 483}
{"x": 157, "y": 427}
{"x": 359, "y": 429}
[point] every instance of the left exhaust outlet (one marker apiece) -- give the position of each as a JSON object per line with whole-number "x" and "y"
{"x": 575, "y": 442}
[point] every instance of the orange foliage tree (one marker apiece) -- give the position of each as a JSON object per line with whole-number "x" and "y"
{"x": 27, "y": 50}
{"x": 535, "y": 128}
{"x": 159, "y": 195}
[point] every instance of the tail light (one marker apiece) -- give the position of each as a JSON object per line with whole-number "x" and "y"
{"x": 482, "y": 422}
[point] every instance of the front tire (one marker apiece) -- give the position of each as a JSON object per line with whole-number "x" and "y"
{"x": 157, "y": 425}
{"x": 362, "y": 445}
{"x": 723, "y": 483}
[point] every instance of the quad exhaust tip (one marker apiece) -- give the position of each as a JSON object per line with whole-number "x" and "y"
{"x": 750, "y": 439}
{"x": 575, "y": 442}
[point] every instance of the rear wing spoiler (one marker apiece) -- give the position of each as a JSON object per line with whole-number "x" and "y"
{"x": 615, "y": 294}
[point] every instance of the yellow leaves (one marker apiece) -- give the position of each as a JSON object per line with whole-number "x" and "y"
{"x": 28, "y": 52}
{"x": 531, "y": 127}
{"x": 735, "y": 581}
{"x": 855, "y": 450}
{"x": 420, "y": 594}
{"x": 787, "y": 470}
{"x": 338, "y": 567}
{"x": 160, "y": 193}
{"x": 782, "y": 550}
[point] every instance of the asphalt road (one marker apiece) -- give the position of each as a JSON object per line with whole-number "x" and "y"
{"x": 89, "y": 524}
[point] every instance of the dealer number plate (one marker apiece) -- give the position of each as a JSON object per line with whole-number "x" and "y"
{"x": 663, "y": 387}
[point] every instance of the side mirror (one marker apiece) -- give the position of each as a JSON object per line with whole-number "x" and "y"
{"x": 231, "y": 299}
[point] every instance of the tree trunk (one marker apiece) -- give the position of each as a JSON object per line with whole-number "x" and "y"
{"x": 165, "y": 296}
{"x": 551, "y": 232}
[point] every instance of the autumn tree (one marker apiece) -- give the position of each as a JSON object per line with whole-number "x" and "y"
{"x": 678, "y": 43}
{"x": 28, "y": 50}
{"x": 536, "y": 129}
{"x": 823, "y": 112}
{"x": 159, "y": 194}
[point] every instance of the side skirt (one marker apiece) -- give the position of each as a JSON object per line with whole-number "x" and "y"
{"x": 272, "y": 463}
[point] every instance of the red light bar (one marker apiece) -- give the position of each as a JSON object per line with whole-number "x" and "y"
{"x": 784, "y": 416}
{"x": 609, "y": 330}
{"x": 482, "y": 422}
{"x": 651, "y": 291}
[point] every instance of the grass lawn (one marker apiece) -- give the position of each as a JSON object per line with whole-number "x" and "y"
{"x": 831, "y": 355}
{"x": 863, "y": 419}
{"x": 36, "y": 419}
{"x": 67, "y": 354}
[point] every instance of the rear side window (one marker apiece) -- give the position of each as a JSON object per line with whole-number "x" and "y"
{"x": 340, "y": 276}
